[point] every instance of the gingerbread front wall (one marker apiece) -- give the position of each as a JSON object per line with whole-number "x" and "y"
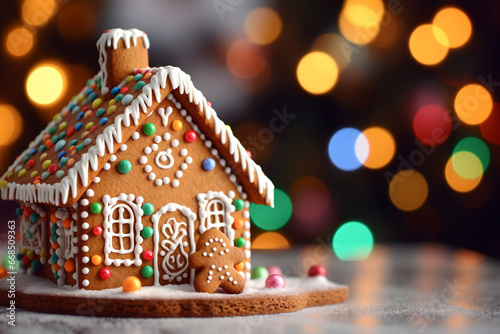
{"x": 144, "y": 212}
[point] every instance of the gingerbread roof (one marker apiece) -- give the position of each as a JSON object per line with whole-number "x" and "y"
{"x": 67, "y": 155}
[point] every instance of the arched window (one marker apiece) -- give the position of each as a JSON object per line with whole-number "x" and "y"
{"x": 122, "y": 228}
{"x": 215, "y": 210}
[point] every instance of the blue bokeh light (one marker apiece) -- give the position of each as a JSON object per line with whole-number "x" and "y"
{"x": 342, "y": 149}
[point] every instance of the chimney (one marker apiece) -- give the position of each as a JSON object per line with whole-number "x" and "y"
{"x": 120, "y": 52}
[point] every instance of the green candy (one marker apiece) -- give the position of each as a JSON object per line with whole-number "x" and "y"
{"x": 147, "y": 232}
{"x": 149, "y": 129}
{"x": 124, "y": 166}
{"x": 95, "y": 208}
{"x": 147, "y": 271}
{"x": 240, "y": 242}
{"x": 148, "y": 209}
{"x": 259, "y": 272}
{"x": 238, "y": 204}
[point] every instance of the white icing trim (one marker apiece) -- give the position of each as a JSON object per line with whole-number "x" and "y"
{"x": 58, "y": 193}
{"x": 135, "y": 211}
{"x": 205, "y": 200}
{"x": 111, "y": 38}
{"x": 191, "y": 218}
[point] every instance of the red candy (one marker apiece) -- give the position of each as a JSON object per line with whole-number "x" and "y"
{"x": 105, "y": 273}
{"x": 70, "y": 131}
{"x": 85, "y": 108}
{"x": 92, "y": 129}
{"x": 26, "y": 260}
{"x": 31, "y": 163}
{"x": 249, "y": 154}
{"x": 190, "y": 136}
{"x": 209, "y": 104}
{"x": 52, "y": 168}
{"x": 124, "y": 90}
{"x": 97, "y": 230}
{"x": 317, "y": 270}
{"x": 147, "y": 255}
{"x": 27, "y": 212}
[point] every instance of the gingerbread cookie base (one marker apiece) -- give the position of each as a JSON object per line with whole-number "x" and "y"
{"x": 41, "y": 295}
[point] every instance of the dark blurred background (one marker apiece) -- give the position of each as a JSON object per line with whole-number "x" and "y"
{"x": 376, "y": 120}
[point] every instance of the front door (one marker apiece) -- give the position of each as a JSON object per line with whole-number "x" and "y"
{"x": 173, "y": 243}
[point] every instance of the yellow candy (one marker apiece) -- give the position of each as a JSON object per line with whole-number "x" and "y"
{"x": 24, "y": 251}
{"x": 22, "y": 172}
{"x": 111, "y": 110}
{"x": 31, "y": 255}
{"x": 96, "y": 259}
{"x": 46, "y": 164}
{"x": 3, "y": 183}
{"x": 62, "y": 126}
{"x": 43, "y": 156}
{"x": 89, "y": 125}
{"x": 43, "y": 254}
{"x": 10, "y": 175}
{"x": 111, "y": 102}
{"x": 96, "y": 103}
{"x": 87, "y": 114}
{"x": 130, "y": 78}
{"x": 33, "y": 174}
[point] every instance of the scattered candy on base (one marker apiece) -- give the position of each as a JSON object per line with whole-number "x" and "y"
{"x": 131, "y": 284}
{"x": 317, "y": 270}
{"x": 275, "y": 281}
{"x": 274, "y": 270}
{"x": 259, "y": 272}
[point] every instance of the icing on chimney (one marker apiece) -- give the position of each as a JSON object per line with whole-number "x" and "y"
{"x": 120, "y": 53}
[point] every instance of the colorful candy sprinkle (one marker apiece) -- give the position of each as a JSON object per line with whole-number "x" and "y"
{"x": 95, "y": 208}
{"x": 60, "y": 144}
{"x": 147, "y": 255}
{"x": 147, "y": 232}
{"x": 148, "y": 209}
{"x": 177, "y": 125}
{"x": 124, "y": 166}
{"x": 139, "y": 85}
{"x": 238, "y": 204}
{"x": 239, "y": 242}
{"x": 97, "y": 102}
{"x": 208, "y": 164}
{"x": 52, "y": 168}
{"x": 100, "y": 112}
{"x": 131, "y": 284}
{"x": 127, "y": 99}
{"x": 105, "y": 273}
{"x": 275, "y": 282}
{"x": 259, "y": 272}
{"x": 149, "y": 129}
{"x": 147, "y": 271}
{"x": 111, "y": 110}
{"x": 115, "y": 91}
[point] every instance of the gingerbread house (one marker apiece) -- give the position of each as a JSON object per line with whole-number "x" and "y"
{"x": 128, "y": 175}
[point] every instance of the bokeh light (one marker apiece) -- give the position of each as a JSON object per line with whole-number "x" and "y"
{"x": 270, "y": 240}
{"x": 353, "y": 241}
{"x": 467, "y": 165}
{"x": 469, "y": 257}
{"x": 317, "y": 72}
{"x": 76, "y": 21}
{"x": 424, "y": 45}
{"x": 381, "y": 147}
{"x": 245, "y": 60}
{"x": 473, "y": 104}
{"x": 19, "y": 41}
{"x": 455, "y": 24}
{"x": 345, "y": 149}
{"x": 458, "y": 183}
{"x": 490, "y": 128}
{"x": 271, "y": 219}
{"x": 336, "y": 46}
{"x": 477, "y": 147}
{"x": 359, "y": 20}
{"x": 36, "y": 12}
{"x": 432, "y": 125}
{"x": 45, "y": 83}
{"x": 312, "y": 206}
{"x": 408, "y": 190}
{"x": 11, "y": 125}
{"x": 263, "y": 26}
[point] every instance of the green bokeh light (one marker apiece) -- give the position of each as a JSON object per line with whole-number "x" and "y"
{"x": 353, "y": 241}
{"x": 467, "y": 165}
{"x": 477, "y": 147}
{"x": 271, "y": 219}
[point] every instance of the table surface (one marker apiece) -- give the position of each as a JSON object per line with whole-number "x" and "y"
{"x": 398, "y": 289}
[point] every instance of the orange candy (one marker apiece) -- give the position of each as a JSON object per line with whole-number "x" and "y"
{"x": 53, "y": 218}
{"x": 240, "y": 266}
{"x": 96, "y": 259}
{"x": 55, "y": 245}
{"x": 56, "y": 267}
{"x": 69, "y": 266}
{"x": 131, "y": 284}
{"x": 3, "y": 272}
{"x": 238, "y": 223}
{"x": 67, "y": 223}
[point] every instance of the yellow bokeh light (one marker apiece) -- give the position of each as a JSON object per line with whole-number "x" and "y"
{"x": 263, "y": 26}
{"x": 424, "y": 45}
{"x": 270, "y": 240}
{"x": 455, "y": 24}
{"x": 11, "y": 125}
{"x": 19, "y": 41}
{"x": 359, "y": 20}
{"x": 335, "y": 46}
{"x": 408, "y": 190}
{"x": 317, "y": 72}
{"x": 467, "y": 165}
{"x": 37, "y": 12}
{"x": 382, "y": 147}
{"x": 473, "y": 104}
{"x": 458, "y": 183}
{"x": 45, "y": 84}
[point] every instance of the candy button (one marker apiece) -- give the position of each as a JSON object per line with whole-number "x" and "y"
{"x": 208, "y": 164}
{"x": 46, "y": 164}
{"x": 190, "y": 136}
{"x": 96, "y": 260}
{"x": 69, "y": 266}
{"x": 105, "y": 273}
{"x": 97, "y": 230}
{"x": 148, "y": 209}
{"x": 95, "y": 208}
{"x": 97, "y": 102}
{"x": 147, "y": 232}
{"x": 147, "y": 255}
{"x": 147, "y": 271}
{"x": 139, "y": 85}
{"x": 131, "y": 284}
{"x": 127, "y": 99}
{"x": 149, "y": 129}
{"x": 240, "y": 242}
{"x": 124, "y": 166}
{"x": 100, "y": 112}
{"x": 238, "y": 204}
{"x": 177, "y": 125}
{"x": 259, "y": 272}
